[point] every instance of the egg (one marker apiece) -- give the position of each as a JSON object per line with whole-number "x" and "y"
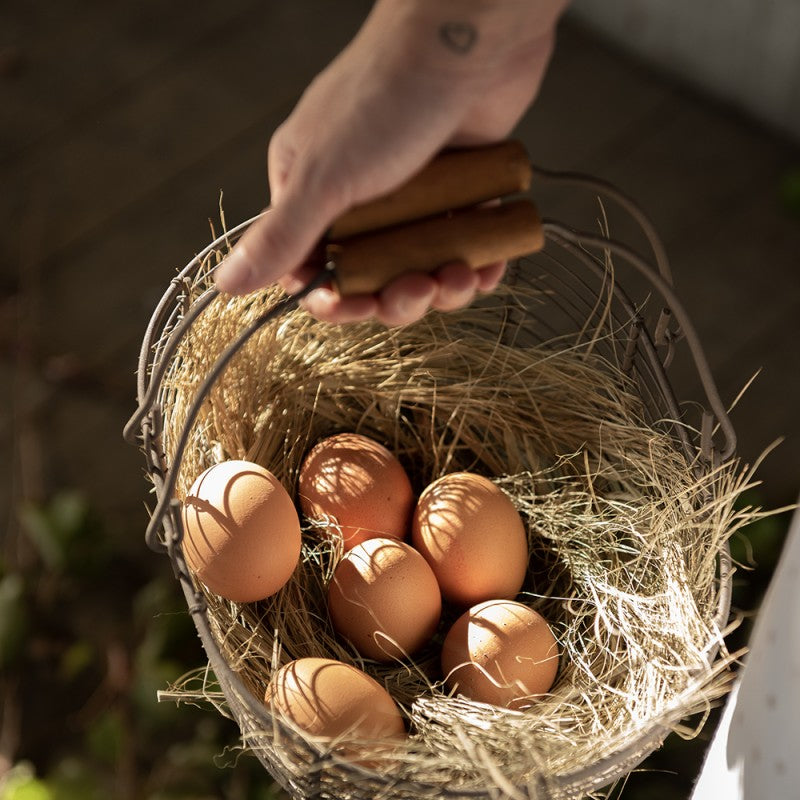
{"x": 334, "y": 701}
{"x": 384, "y": 599}
{"x": 500, "y": 652}
{"x": 473, "y": 537}
{"x": 241, "y": 531}
{"x": 358, "y": 483}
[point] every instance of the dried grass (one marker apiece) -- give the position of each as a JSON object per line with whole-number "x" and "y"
{"x": 625, "y": 531}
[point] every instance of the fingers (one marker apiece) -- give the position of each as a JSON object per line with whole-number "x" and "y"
{"x": 270, "y": 248}
{"x": 407, "y": 298}
{"x": 305, "y": 194}
{"x": 456, "y": 286}
{"x": 404, "y": 300}
{"x": 293, "y": 282}
{"x": 490, "y": 276}
{"x": 452, "y": 286}
{"x": 325, "y": 304}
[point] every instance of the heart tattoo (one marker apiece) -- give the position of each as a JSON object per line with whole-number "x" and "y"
{"x": 460, "y": 37}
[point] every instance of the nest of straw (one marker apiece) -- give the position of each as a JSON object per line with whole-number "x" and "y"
{"x": 625, "y": 531}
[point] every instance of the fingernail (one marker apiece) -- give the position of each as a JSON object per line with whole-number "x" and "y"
{"x": 235, "y": 275}
{"x": 318, "y": 301}
{"x": 410, "y": 309}
{"x": 291, "y": 284}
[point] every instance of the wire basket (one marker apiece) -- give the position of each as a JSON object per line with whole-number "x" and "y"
{"x": 567, "y": 301}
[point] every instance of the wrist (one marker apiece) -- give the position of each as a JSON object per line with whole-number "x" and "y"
{"x": 466, "y": 41}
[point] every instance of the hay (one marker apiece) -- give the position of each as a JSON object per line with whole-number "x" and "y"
{"x": 625, "y": 529}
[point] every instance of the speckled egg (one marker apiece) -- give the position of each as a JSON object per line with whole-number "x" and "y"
{"x": 358, "y": 483}
{"x": 384, "y": 599}
{"x": 500, "y": 652}
{"x": 473, "y": 537}
{"x": 333, "y": 700}
{"x": 241, "y": 531}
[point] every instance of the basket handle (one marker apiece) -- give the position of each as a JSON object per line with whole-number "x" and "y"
{"x": 475, "y": 236}
{"x": 437, "y": 217}
{"x": 453, "y": 179}
{"x": 433, "y": 219}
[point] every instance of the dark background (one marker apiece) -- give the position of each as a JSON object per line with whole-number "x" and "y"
{"x": 121, "y": 125}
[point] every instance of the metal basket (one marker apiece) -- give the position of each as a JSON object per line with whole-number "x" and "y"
{"x": 575, "y": 273}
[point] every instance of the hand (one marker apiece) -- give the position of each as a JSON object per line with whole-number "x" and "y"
{"x": 417, "y": 77}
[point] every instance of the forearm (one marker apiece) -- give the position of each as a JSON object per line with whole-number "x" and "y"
{"x": 479, "y": 61}
{"x": 457, "y": 39}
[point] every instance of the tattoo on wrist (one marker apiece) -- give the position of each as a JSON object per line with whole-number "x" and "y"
{"x": 458, "y": 37}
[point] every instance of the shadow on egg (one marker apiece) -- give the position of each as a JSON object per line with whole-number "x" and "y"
{"x": 471, "y": 534}
{"x": 241, "y": 531}
{"x": 206, "y": 512}
{"x": 300, "y": 699}
{"x": 334, "y": 701}
{"x": 384, "y": 599}
{"x": 443, "y": 508}
{"x": 502, "y": 653}
{"x": 358, "y": 483}
{"x": 214, "y": 523}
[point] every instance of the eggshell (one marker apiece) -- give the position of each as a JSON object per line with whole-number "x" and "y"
{"x": 384, "y": 599}
{"x": 500, "y": 652}
{"x": 468, "y": 530}
{"x": 333, "y": 700}
{"x": 241, "y": 531}
{"x": 360, "y": 484}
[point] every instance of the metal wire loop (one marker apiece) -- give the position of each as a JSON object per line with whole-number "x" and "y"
{"x": 282, "y": 306}
{"x": 579, "y": 239}
{"x": 602, "y": 187}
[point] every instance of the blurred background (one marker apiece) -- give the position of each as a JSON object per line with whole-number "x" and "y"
{"x": 123, "y": 123}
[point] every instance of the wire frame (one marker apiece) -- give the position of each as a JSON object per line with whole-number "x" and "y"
{"x": 576, "y": 278}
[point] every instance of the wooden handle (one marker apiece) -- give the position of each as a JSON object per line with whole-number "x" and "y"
{"x": 454, "y": 179}
{"x": 476, "y": 236}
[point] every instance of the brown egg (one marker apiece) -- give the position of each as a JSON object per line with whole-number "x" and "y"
{"x": 468, "y": 530}
{"x": 500, "y": 652}
{"x": 384, "y": 599}
{"x": 332, "y": 700}
{"x": 241, "y": 531}
{"x": 360, "y": 484}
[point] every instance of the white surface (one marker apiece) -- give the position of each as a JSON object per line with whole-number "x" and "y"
{"x": 754, "y": 753}
{"x": 746, "y": 52}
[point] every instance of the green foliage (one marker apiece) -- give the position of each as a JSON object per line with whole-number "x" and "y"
{"x": 67, "y": 535}
{"x": 22, "y": 784}
{"x": 105, "y": 736}
{"x": 790, "y": 191}
{"x": 759, "y": 544}
{"x": 73, "y": 779}
{"x": 757, "y": 550}
{"x": 107, "y": 639}
{"x": 76, "y": 659}
{"x": 14, "y": 618}
{"x": 69, "y": 780}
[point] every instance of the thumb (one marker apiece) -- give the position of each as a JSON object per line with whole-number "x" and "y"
{"x": 276, "y": 244}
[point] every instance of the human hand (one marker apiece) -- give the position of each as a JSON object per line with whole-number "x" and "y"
{"x": 417, "y": 77}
